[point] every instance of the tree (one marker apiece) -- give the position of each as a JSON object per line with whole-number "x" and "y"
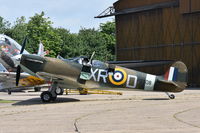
{"x": 108, "y": 28}
{"x": 87, "y": 41}
{"x": 69, "y": 42}
{"x": 60, "y": 40}
{"x": 19, "y": 30}
{"x": 108, "y": 31}
{"x": 91, "y": 40}
{"x": 39, "y": 29}
{"x": 4, "y": 25}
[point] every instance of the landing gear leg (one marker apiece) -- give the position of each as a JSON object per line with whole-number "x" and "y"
{"x": 37, "y": 89}
{"x": 9, "y": 92}
{"x": 50, "y": 95}
{"x": 171, "y": 96}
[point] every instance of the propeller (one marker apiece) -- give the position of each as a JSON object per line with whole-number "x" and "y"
{"x": 91, "y": 57}
{"x": 18, "y": 75}
{"x": 18, "y": 67}
{"x": 23, "y": 45}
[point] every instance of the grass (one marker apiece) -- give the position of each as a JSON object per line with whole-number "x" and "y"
{"x": 6, "y": 101}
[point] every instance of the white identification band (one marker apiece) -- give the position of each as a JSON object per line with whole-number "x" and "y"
{"x": 150, "y": 82}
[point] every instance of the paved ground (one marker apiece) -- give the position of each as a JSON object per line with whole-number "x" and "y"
{"x": 134, "y": 112}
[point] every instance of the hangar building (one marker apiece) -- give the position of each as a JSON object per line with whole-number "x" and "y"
{"x": 158, "y": 30}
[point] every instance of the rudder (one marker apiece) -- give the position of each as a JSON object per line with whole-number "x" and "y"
{"x": 177, "y": 74}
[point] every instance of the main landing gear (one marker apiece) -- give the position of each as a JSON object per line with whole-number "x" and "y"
{"x": 171, "y": 96}
{"x": 47, "y": 96}
{"x": 37, "y": 89}
{"x": 51, "y": 94}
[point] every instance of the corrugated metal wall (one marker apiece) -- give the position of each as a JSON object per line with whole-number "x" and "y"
{"x": 171, "y": 33}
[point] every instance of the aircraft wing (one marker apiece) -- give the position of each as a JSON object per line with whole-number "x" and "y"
{"x": 63, "y": 81}
{"x": 7, "y": 88}
{"x": 12, "y": 75}
{"x": 8, "y": 81}
{"x": 49, "y": 76}
{"x": 140, "y": 63}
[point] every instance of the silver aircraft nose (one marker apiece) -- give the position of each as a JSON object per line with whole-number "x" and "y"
{"x": 16, "y": 59}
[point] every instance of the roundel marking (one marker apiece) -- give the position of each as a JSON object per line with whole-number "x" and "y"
{"x": 119, "y": 77}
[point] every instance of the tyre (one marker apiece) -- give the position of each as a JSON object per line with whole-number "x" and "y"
{"x": 46, "y": 96}
{"x": 59, "y": 91}
{"x": 172, "y": 96}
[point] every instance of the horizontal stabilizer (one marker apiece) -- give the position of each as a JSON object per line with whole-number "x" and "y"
{"x": 170, "y": 86}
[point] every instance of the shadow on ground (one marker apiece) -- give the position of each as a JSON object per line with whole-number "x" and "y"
{"x": 37, "y": 101}
{"x": 156, "y": 99}
{"x": 192, "y": 89}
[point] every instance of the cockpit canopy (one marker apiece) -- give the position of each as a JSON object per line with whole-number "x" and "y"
{"x": 83, "y": 60}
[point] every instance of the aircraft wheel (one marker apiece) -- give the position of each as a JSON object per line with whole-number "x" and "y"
{"x": 59, "y": 91}
{"x": 46, "y": 96}
{"x": 172, "y": 96}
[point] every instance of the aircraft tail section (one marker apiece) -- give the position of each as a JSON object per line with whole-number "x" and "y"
{"x": 177, "y": 72}
{"x": 175, "y": 79}
{"x": 41, "y": 51}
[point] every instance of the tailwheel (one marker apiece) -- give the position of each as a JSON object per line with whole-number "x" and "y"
{"x": 171, "y": 96}
{"x": 46, "y": 96}
{"x": 9, "y": 92}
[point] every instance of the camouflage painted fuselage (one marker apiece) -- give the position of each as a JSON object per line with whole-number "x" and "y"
{"x": 68, "y": 74}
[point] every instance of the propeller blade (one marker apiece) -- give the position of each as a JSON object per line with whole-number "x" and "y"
{"x": 18, "y": 75}
{"x": 91, "y": 57}
{"x": 23, "y": 45}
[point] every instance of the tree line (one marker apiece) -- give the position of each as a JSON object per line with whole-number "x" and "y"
{"x": 59, "y": 41}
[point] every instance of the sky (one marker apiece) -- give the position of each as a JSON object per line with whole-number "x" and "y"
{"x": 70, "y": 14}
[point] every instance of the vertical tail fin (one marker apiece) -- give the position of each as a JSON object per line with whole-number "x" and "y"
{"x": 171, "y": 74}
{"x": 177, "y": 72}
{"x": 175, "y": 79}
{"x": 41, "y": 51}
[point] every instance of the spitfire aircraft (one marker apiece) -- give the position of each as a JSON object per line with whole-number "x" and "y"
{"x": 85, "y": 72}
{"x": 7, "y": 81}
{"x": 8, "y": 49}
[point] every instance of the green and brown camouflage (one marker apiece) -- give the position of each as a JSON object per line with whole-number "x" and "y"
{"x": 76, "y": 73}
{"x": 83, "y": 72}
